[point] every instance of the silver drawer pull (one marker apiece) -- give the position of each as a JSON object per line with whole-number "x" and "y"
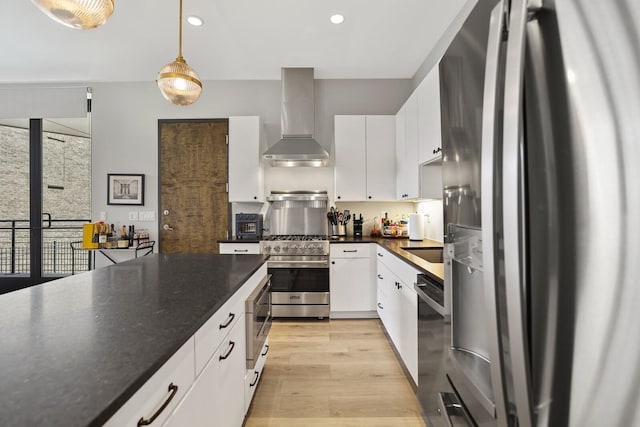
{"x": 266, "y": 350}
{"x": 241, "y": 250}
{"x": 173, "y": 389}
{"x": 232, "y": 345}
{"x": 346, "y": 251}
{"x": 380, "y": 277}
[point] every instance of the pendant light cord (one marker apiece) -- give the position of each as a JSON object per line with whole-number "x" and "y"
{"x": 180, "y": 38}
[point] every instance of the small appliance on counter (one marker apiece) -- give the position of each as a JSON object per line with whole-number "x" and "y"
{"x": 249, "y": 226}
{"x": 416, "y": 226}
{"x": 357, "y": 227}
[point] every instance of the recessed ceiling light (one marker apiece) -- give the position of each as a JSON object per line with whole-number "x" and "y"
{"x": 336, "y": 19}
{"x": 195, "y": 21}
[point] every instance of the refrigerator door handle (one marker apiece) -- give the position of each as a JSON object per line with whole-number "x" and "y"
{"x": 490, "y": 122}
{"x": 513, "y": 210}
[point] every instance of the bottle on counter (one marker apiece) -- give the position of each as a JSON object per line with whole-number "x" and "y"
{"x": 102, "y": 235}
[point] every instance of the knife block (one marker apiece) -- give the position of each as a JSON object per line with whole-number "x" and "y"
{"x": 357, "y": 228}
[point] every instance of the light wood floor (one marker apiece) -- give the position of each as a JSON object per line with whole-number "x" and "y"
{"x": 332, "y": 373}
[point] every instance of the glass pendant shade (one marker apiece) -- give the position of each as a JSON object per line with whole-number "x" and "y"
{"x": 179, "y": 83}
{"x": 79, "y": 14}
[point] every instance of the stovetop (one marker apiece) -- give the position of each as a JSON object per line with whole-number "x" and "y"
{"x": 295, "y": 244}
{"x": 296, "y": 237}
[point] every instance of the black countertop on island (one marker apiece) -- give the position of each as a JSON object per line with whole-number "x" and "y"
{"x": 72, "y": 351}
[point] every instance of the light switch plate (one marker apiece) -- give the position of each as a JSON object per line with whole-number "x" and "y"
{"x": 133, "y": 216}
{"x": 147, "y": 215}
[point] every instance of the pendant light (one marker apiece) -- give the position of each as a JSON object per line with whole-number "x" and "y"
{"x": 178, "y": 82}
{"x": 79, "y": 14}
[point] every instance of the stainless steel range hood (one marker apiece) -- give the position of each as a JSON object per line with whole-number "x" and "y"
{"x": 297, "y": 146}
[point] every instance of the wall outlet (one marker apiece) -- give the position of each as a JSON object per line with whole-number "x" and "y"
{"x": 147, "y": 215}
{"x": 133, "y": 216}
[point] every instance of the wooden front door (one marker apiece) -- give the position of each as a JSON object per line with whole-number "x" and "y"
{"x": 193, "y": 196}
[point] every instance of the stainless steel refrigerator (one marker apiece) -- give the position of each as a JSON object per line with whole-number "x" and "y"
{"x": 541, "y": 145}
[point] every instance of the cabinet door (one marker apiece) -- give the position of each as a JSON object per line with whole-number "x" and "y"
{"x": 350, "y": 152}
{"x": 245, "y": 160}
{"x": 408, "y": 310}
{"x": 401, "y": 153}
{"x": 229, "y": 405}
{"x": 429, "y": 126}
{"x": 196, "y": 409}
{"x": 381, "y": 168}
{"x": 217, "y": 396}
{"x": 352, "y": 285}
{"x": 411, "y": 157}
{"x": 392, "y": 321}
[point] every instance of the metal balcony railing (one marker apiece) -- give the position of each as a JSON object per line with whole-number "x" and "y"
{"x": 58, "y": 256}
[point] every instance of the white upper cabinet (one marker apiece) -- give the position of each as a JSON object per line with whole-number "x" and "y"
{"x": 364, "y": 169}
{"x": 351, "y": 158}
{"x": 246, "y": 173}
{"x": 381, "y": 171}
{"x": 407, "y": 179}
{"x": 429, "y": 125}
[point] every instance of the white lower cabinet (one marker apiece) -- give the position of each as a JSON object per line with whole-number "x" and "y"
{"x": 160, "y": 395}
{"x": 252, "y": 376}
{"x": 351, "y": 280}
{"x": 217, "y": 396}
{"x": 398, "y": 307}
{"x": 239, "y": 248}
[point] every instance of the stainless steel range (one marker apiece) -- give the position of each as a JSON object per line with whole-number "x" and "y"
{"x": 298, "y": 254}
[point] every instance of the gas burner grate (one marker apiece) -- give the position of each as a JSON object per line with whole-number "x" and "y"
{"x": 296, "y": 237}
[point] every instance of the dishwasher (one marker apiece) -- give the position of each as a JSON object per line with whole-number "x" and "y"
{"x": 440, "y": 405}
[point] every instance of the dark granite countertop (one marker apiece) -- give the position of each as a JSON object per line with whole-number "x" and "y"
{"x": 74, "y": 350}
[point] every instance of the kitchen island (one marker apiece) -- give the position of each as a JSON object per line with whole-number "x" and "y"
{"x": 74, "y": 350}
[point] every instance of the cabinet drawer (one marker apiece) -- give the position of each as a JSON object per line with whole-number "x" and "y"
{"x": 253, "y": 376}
{"x": 239, "y": 248}
{"x": 405, "y": 272}
{"x": 169, "y": 384}
{"x": 350, "y": 250}
{"x": 211, "y": 334}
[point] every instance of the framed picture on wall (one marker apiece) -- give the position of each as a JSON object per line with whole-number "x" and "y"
{"x": 125, "y": 189}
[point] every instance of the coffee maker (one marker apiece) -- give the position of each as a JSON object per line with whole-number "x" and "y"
{"x": 357, "y": 227}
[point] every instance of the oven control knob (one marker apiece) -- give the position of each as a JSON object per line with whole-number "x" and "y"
{"x": 266, "y": 248}
{"x": 277, "y": 248}
{"x": 294, "y": 247}
{"x": 285, "y": 248}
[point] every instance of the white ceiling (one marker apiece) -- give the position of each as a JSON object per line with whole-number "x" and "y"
{"x": 241, "y": 40}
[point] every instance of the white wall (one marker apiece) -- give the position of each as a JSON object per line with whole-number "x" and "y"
{"x": 125, "y": 129}
{"x": 434, "y": 219}
{"x": 374, "y": 211}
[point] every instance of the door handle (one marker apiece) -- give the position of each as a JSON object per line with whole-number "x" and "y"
{"x": 166, "y": 227}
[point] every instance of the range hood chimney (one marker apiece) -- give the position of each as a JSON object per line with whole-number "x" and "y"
{"x": 297, "y": 146}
